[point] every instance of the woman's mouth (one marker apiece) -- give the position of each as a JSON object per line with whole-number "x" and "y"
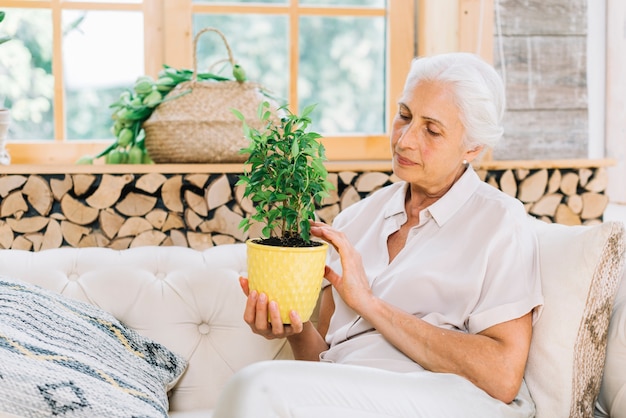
{"x": 404, "y": 161}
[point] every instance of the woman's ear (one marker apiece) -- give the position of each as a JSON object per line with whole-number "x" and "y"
{"x": 473, "y": 152}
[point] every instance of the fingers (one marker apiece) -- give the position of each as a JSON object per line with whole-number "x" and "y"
{"x": 257, "y": 311}
{"x": 243, "y": 282}
{"x": 331, "y": 275}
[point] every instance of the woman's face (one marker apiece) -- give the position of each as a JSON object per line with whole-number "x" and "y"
{"x": 427, "y": 137}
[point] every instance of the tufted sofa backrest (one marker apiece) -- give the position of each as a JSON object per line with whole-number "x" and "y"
{"x": 188, "y": 300}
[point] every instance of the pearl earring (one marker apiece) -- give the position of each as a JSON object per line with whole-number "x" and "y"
{"x": 464, "y": 162}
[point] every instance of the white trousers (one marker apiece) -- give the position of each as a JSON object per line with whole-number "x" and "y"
{"x": 301, "y": 389}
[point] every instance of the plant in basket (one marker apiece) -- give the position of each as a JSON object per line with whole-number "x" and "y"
{"x": 183, "y": 116}
{"x": 285, "y": 178}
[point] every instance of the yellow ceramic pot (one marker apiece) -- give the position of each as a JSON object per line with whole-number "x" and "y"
{"x": 288, "y": 275}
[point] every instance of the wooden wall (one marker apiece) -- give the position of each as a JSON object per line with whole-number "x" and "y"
{"x": 540, "y": 50}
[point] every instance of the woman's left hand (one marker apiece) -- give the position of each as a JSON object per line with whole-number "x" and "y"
{"x": 352, "y": 285}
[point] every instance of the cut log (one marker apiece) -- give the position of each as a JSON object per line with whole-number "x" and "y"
{"x": 199, "y": 241}
{"x": 170, "y": 194}
{"x": 197, "y": 203}
{"x": 594, "y": 205}
{"x": 95, "y": 239}
{"x": 148, "y": 238}
{"x": 368, "y": 182}
{"x": 110, "y": 222}
{"x": 225, "y": 221}
{"x": 569, "y": 183}
{"x": 244, "y": 202}
{"x": 151, "y": 182}
{"x": 134, "y": 226}
{"x": 178, "y": 238}
{"x": 347, "y": 176}
{"x": 77, "y": 212}
{"x": 533, "y": 187}
{"x": 6, "y": 235}
{"x": 60, "y": 187}
{"x": 53, "y": 237}
{"x": 349, "y": 197}
{"x": 157, "y": 218}
{"x": 120, "y": 243}
{"x": 547, "y": 205}
{"x": 173, "y": 221}
{"x": 555, "y": 182}
{"x": 39, "y": 194}
{"x": 328, "y": 213}
{"x": 28, "y": 225}
{"x": 585, "y": 174}
{"x": 218, "y": 193}
{"x": 14, "y": 203}
{"x": 109, "y": 191}
{"x": 198, "y": 180}
{"x": 333, "y": 178}
{"x": 575, "y": 203}
{"x": 522, "y": 173}
{"x": 599, "y": 181}
{"x": 21, "y": 243}
{"x": 36, "y": 239}
{"x": 565, "y": 216}
{"x": 73, "y": 233}
{"x": 82, "y": 183}
{"x": 223, "y": 239}
{"x": 192, "y": 219}
{"x": 508, "y": 184}
{"x": 136, "y": 204}
{"x": 10, "y": 183}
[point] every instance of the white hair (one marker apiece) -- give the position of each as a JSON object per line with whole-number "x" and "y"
{"x": 477, "y": 88}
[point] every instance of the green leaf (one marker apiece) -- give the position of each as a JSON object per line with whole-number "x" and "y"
{"x": 238, "y": 114}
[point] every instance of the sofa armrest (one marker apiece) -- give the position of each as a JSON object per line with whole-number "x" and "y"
{"x": 612, "y": 398}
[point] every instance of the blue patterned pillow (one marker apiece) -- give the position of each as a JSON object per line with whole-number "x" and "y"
{"x": 62, "y": 357}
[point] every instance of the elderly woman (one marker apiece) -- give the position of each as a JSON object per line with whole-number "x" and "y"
{"x": 434, "y": 279}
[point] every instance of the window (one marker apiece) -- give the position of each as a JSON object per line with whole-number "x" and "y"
{"x": 69, "y": 60}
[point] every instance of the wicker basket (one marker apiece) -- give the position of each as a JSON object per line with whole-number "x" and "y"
{"x": 199, "y": 127}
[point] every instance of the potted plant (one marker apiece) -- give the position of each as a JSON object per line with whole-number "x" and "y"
{"x": 285, "y": 178}
{"x": 5, "y": 115}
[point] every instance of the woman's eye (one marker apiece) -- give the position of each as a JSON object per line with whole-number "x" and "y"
{"x": 432, "y": 132}
{"x": 404, "y": 116}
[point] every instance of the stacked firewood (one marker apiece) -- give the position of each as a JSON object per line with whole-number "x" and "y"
{"x": 200, "y": 210}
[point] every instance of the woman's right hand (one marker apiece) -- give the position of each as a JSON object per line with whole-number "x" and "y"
{"x": 259, "y": 309}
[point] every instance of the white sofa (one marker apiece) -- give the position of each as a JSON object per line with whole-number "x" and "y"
{"x": 190, "y": 302}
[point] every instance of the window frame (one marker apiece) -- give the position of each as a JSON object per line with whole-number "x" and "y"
{"x": 170, "y": 40}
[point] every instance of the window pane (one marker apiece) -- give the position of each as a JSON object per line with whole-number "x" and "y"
{"x": 242, "y": 1}
{"x": 112, "y": 1}
{"x": 342, "y": 69}
{"x": 259, "y": 44}
{"x": 26, "y": 82}
{"x": 362, "y": 3}
{"x": 102, "y": 56}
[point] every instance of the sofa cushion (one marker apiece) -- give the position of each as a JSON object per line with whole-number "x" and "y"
{"x": 60, "y": 356}
{"x": 580, "y": 268}
{"x": 612, "y": 399}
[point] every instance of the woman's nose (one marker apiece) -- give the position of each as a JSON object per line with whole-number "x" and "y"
{"x": 409, "y": 138}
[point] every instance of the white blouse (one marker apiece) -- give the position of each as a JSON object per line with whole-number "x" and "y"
{"x": 471, "y": 263}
